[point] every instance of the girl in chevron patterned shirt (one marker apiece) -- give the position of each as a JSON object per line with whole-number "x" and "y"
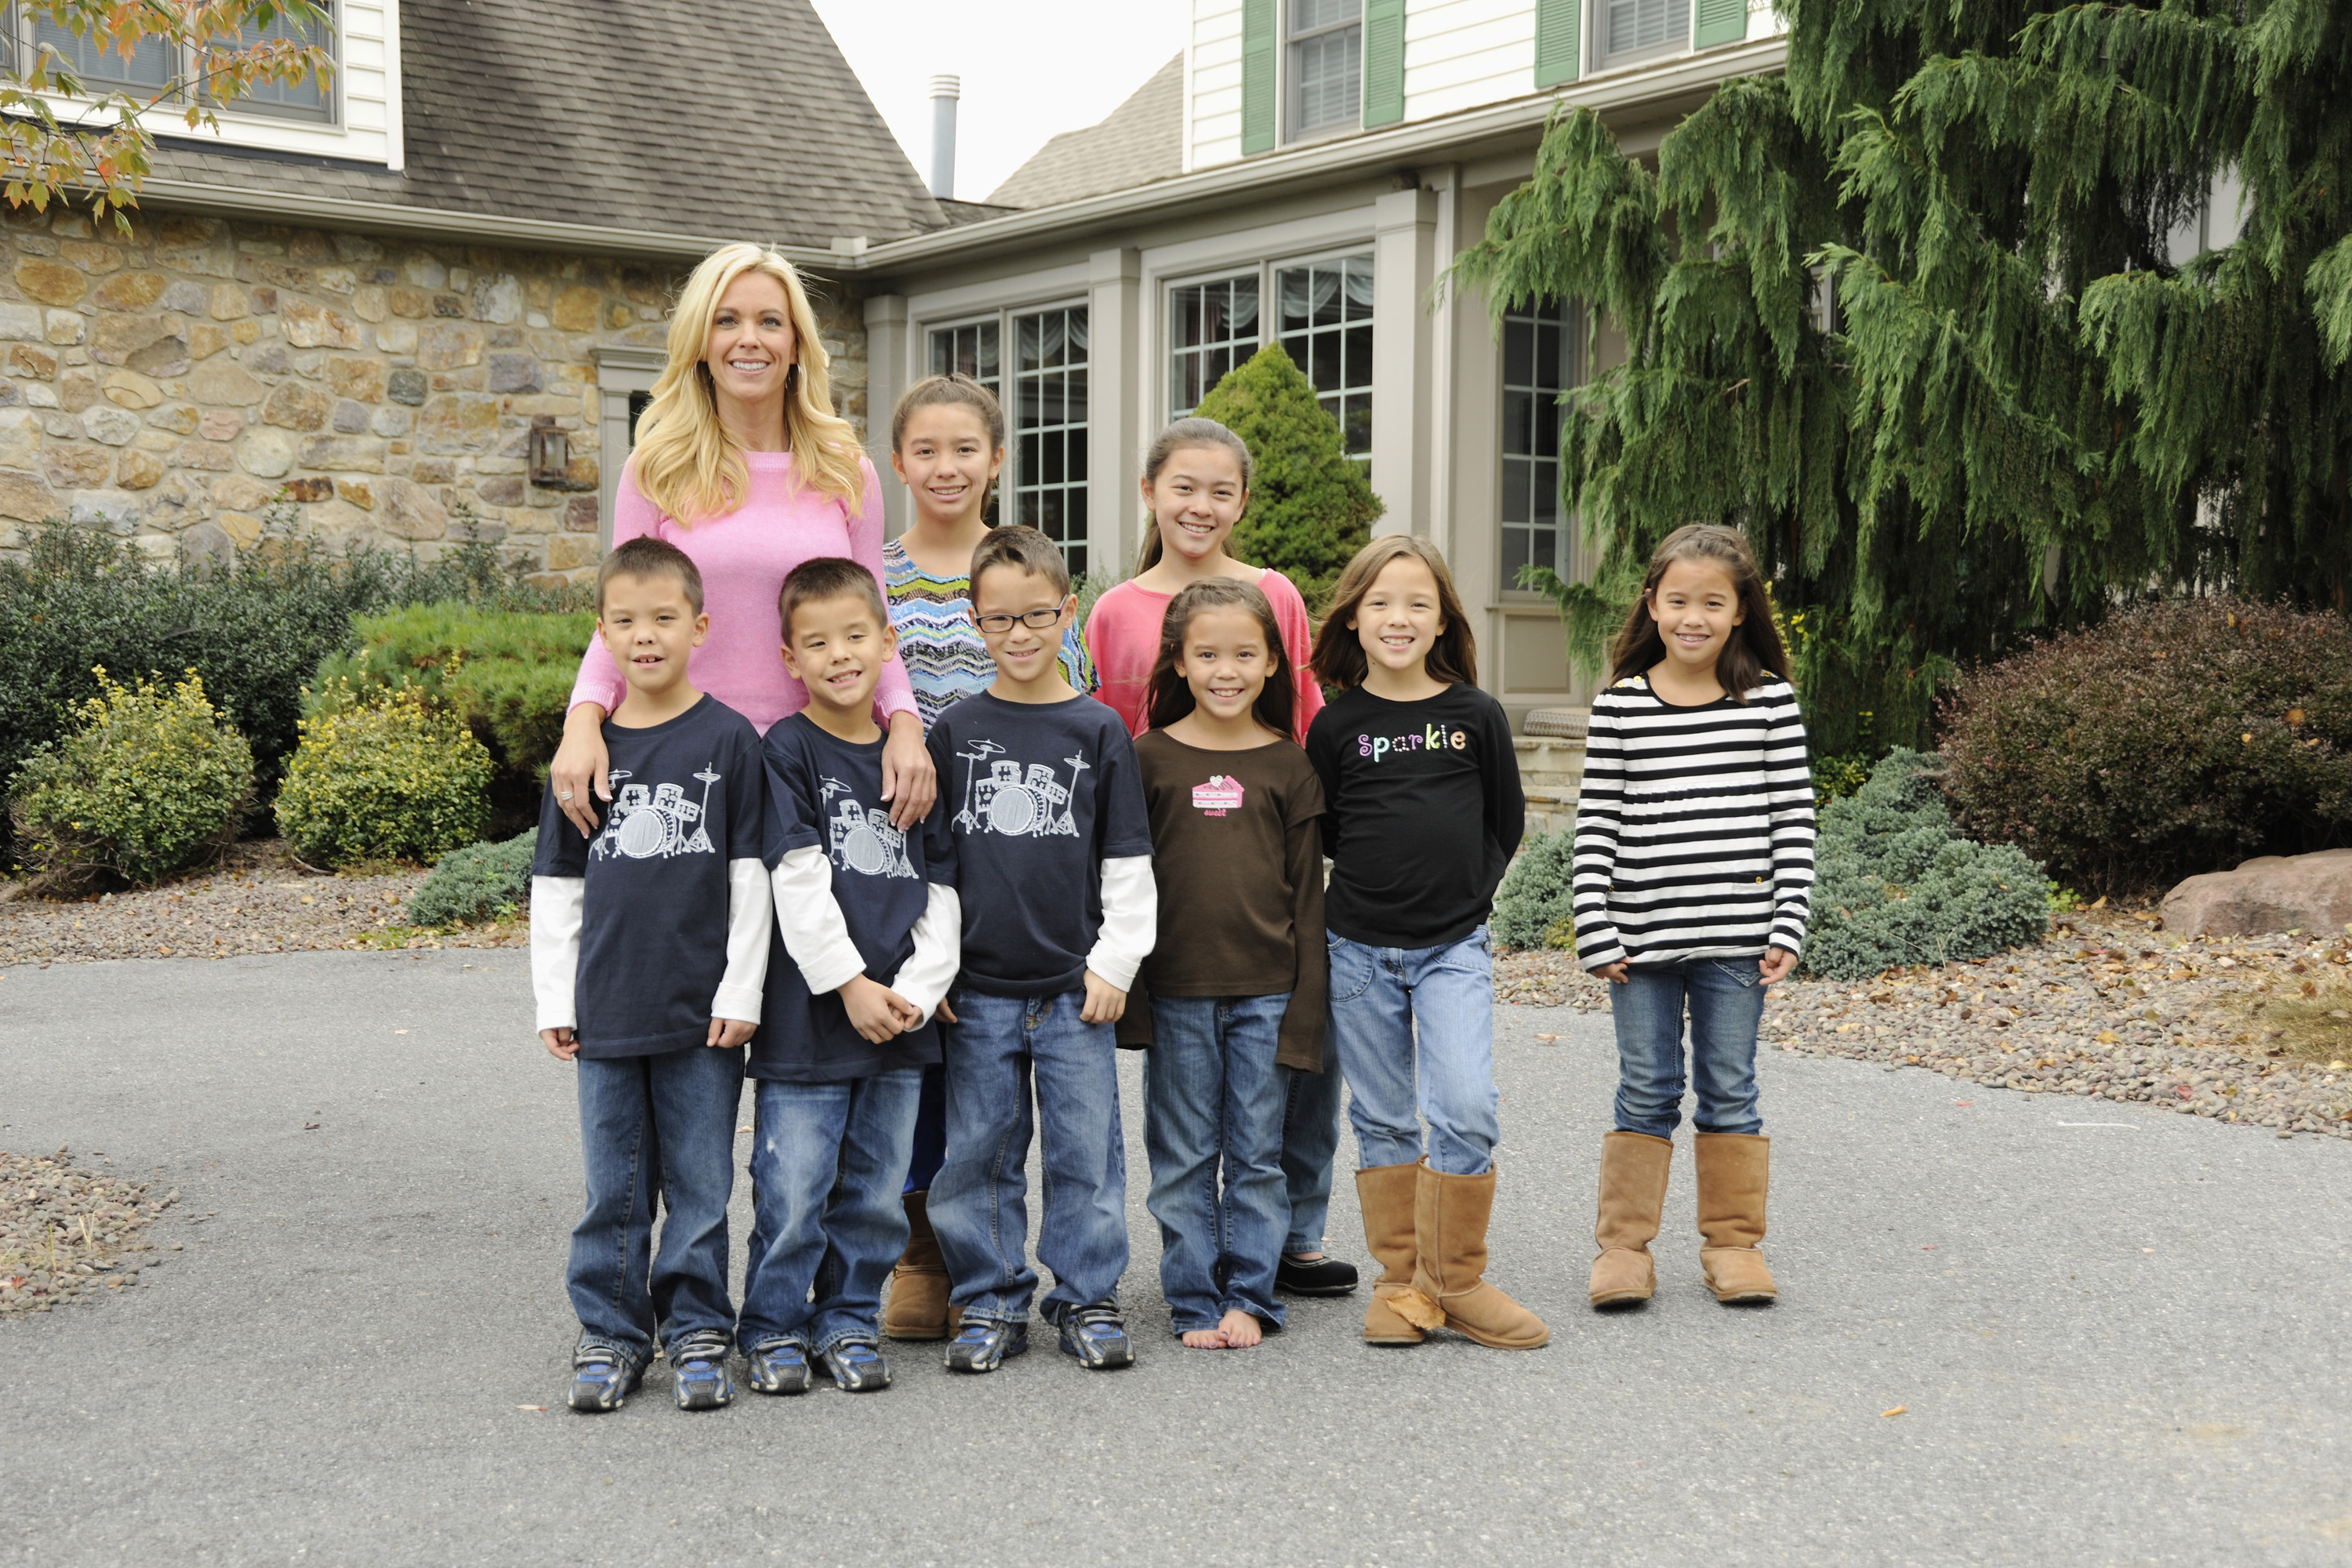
{"x": 947, "y": 442}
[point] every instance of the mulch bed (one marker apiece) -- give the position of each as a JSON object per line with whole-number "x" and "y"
{"x": 2112, "y": 1009}
{"x": 70, "y": 1233}
{"x": 258, "y": 900}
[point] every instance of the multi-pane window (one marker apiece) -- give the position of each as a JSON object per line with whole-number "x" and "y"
{"x": 1538, "y": 350}
{"x": 155, "y": 62}
{"x": 152, "y": 65}
{"x": 310, "y": 99}
{"x": 1212, "y": 327}
{"x": 1326, "y": 64}
{"x": 1049, "y": 428}
{"x": 1326, "y": 328}
{"x": 972, "y": 349}
{"x": 1636, "y": 24}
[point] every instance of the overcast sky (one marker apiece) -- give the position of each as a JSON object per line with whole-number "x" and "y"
{"x": 1031, "y": 69}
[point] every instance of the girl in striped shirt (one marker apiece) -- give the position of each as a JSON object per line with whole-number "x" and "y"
{"x": 1693, "y": 865}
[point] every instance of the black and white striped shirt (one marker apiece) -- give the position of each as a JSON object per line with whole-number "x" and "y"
{"x": 1695, "y": 829}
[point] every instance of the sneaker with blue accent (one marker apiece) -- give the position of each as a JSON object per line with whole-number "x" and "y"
{"x": 982, "y": 1346}
{"x": 1097, "y": 1335}
{"x": 699, "y": 1360}
{"x": 857, "y": 1367}
{"x": 602, "y": 1377}
{"x": 777, "y": 1366}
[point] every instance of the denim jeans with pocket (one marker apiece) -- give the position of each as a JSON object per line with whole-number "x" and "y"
{"x": 1414, "y": 1031}
{"x": 1311, "y": 1139}
{"x": 1724, "y": 999}
{"x": 664, "y": 1121}
{"x": 1213, "y": 1097}
{"x": 828, "y": 1164}
{"x": 1002, "y": 1048}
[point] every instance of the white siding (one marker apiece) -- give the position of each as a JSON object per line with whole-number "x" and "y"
{"x": 366, "y": 88}
{"x": 1459, "y": 54}
{"x": 1213, "y": 85}
{"x": 1763, "y": 22}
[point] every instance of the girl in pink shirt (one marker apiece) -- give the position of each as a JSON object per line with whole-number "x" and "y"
{"x": 742, "y": 464}
{"x": 1196, "y": 483}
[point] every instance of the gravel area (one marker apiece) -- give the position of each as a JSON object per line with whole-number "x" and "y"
{"x": 2114, "y": 1009}
{"x": 70, "y": 1233}
{"x": 258, "y": 900}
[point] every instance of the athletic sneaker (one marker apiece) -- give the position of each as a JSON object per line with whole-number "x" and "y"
{"x": 1097, "y": 1335}
{"x": 602, "y": 1377}
{"x": 700, "y": 1361}
{"x": 982, "y": 1346}
{"x": 777, "y": 1366}
{"x": 857, "y": 1367}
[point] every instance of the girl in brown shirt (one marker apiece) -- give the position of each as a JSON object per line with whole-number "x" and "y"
{"x": 1236, "y": 985}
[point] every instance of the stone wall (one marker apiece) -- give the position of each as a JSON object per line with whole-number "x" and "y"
{"x": 173, "y": 383}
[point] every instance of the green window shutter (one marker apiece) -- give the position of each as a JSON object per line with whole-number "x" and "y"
{"x": 1556, "y": 22}
{"x": 1718, "y": 21}
{"x": 1257, "y": 76}
{"x": 1383, "y": 62}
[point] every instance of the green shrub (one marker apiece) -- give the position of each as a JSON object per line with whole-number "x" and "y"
{"x": 383, "y": 775}
{"x": 1535, "y": 905}
{"x": 1834, "y": 778}
{"x": 1310, "y": 506}
{"x": 1897, "y": 886}
{"x": 479, "y": 883}
{"x": 149, "y": 782}
{"x": 2176, "y": 738}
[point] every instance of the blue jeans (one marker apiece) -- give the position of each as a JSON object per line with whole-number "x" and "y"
{"x": 1385, "y": 1002}
{"x": 931, "y": 1122}
{"x": 979, "y": 1204}
{"x": 1213, "y": 1095}
{"x": 827, "y": 1163}
{"x": 1726, "y": 998}
{"x": 1310, "y": 1137}
{"x": 666, "y": 1122}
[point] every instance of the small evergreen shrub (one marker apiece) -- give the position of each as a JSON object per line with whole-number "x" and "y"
{"x": 1897, "y": 885}
{"x": 1535, "y": 905}
{"x": 1311, "y": 507}
{"x": 2176, "y": 738}
{"x": 383, "y": 775}
{"x": 149, "y": 782}
{"x": 479, "y": 883}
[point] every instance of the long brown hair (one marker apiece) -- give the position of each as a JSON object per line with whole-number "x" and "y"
{"x": 1339, "y": 659}
{"x": 953, "y": 390}
{"x": 1752, "y": 651}
{"x": 1183, "y": 435}
{"x": 1172, "y": 695}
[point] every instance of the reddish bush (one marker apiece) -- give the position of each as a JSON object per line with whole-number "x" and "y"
{"x": 2176, "y": 738}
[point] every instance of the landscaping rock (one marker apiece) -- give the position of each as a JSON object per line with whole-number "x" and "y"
{"x": 2270, "y": 893}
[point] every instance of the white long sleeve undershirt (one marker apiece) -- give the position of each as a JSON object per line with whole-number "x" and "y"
{"x": 1131, "y": 921}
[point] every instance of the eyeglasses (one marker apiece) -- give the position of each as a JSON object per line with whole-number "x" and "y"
{"x": 1035, "y": 620}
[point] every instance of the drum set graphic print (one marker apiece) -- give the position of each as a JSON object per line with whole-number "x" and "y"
{"x": 644, "y": 825}
{"x": 1009, "y": 802}
{"x": 860, "y": 838}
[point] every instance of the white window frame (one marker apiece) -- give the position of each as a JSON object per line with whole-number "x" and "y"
{"x": 1597, "y": 31}
{"x": 1012, "y": 480}
{"x": 1269, "y": 269}
{"x": 1270, "y": 309}
{"x": 18, "y": 27}
{"x": 1253, "y": 271}
{"x": 1571, "y": 321}
{"x": 1287, "y": 96}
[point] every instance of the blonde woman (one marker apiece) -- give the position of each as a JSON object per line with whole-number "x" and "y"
{"x": 741, "y": 463}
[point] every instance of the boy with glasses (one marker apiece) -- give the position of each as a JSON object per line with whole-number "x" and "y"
{"x": 1053, "y": 854}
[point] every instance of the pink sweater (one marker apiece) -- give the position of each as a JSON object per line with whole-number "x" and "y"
{"x": 1123, "y": 634}
{"x": 744, "y": 556}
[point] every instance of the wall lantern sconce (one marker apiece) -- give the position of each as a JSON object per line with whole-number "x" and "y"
{"x": 550, "y": 455}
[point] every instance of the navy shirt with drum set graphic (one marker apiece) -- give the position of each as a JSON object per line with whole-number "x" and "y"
{"x": 827, "y": 793}
{"x": 688, "y": 798}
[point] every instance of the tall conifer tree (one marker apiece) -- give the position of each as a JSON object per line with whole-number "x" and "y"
{"x": 1985, "y": 314}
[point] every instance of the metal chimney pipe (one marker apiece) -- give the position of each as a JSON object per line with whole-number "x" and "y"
{"x": 945, "y": 89}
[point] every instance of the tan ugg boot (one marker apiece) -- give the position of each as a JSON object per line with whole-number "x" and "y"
{"x": 1734, "y": 1168}
{"x": 1449, "y": 1222}
{"x": 917, "y": 1307}
{"x": 1633, "y": 1200}
{"x": 1397, "y": 1314}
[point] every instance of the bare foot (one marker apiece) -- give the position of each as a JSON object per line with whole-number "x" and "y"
{"x": 1239, "y": 1329}
{"x": 1207, "y": 1339}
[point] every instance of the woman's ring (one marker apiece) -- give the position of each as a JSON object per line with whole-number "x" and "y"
{"x": 563, "y": 794}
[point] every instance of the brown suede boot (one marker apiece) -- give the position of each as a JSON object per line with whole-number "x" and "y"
{"x": 917, "y": 1307}
{"x": 1734, "y": 1168}
{"x": 1633, "y": 1200}
{"x": 1398, "y": 1313}
{"x": 1449, "y": 1222}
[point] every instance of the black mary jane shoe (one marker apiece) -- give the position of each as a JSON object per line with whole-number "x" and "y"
{"x": 1324, "y": 1277}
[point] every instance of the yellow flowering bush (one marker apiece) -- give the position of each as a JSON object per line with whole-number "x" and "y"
{"x": 149, "y": 781}
{"x": 382, "y": 775}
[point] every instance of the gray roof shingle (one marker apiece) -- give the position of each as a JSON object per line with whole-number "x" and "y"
{"x": 731, "y": 118}
{"x": 1141, "y": 140}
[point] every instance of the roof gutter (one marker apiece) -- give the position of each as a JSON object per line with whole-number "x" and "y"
{"x": 1318, "y": 164}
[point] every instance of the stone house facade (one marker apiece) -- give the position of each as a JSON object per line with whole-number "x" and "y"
{"x": 424, "y": 342}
